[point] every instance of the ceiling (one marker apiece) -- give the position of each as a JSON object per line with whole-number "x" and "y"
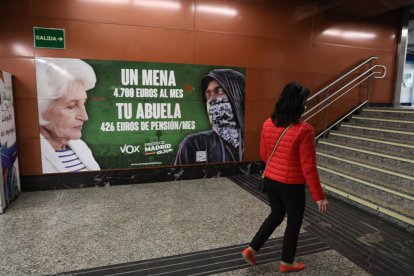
{"x": 362, "y": 8}
{"x": 410, "y": 45}
{"x": 368, "y": 8}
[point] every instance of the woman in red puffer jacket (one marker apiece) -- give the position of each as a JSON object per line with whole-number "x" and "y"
{"x": 292, "y": 165}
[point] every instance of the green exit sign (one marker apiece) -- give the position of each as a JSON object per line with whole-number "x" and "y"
{"x": 49, "y": 38}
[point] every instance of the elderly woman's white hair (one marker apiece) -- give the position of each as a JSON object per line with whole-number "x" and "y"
{"x": 54, "y": 76}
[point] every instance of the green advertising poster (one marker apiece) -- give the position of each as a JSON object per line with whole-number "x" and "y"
{"x": 122, "y": 114}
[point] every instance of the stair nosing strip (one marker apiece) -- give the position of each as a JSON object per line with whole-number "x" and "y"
{"x": 382, "y": 119}
{"x": 368, "y": 152}
{"x": 378, "y": 129}
{"x": 366, "y": 166}
{"x": 389, "y": 111}
{"x": 370, "y": 205}
{"x": 371, "y": 140}
{"x": 368, "y": 183}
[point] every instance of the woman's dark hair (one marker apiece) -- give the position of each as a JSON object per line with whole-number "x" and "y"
{"x": 291, "y": 104}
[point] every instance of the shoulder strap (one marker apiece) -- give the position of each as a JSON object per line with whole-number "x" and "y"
{"x": 274, "y": 149}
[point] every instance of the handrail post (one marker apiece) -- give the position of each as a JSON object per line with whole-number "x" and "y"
{"x": 369, "y": 86}
{"x": 325, "y": 119}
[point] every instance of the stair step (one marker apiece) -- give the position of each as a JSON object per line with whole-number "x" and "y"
{"x": 397, "y": 136}
{"x": 388, "y": 113}
{"x": 393, "y": 109}
{"x": 326, "y": 173}
{"x": 379, "y": 160}
{"x": 383, "y": 197}
{"x": 369, "y": 163}
{"x": 390, "y": 215}
{"x": 373, "y": 144}
{"x": 385, "y": 178}
{"x": 392, "y": 124}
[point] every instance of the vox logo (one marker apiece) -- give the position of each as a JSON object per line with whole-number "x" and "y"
{"x": 129, "y": 149}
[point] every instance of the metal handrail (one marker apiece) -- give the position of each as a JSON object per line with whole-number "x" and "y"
{"x": 369, "y": 73}
{"x": 343, "y": 87}
{"x": 343, "y": 76}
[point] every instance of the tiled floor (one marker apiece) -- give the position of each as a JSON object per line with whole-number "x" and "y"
{"x": 195, "y": 227}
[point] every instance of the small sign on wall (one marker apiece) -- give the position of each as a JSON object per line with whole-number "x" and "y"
{"x": 49, "y": 38}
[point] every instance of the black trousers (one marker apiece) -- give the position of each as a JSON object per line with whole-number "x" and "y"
{"x": 283, "y": 198}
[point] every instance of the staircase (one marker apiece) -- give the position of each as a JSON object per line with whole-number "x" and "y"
{"x": 369, "y": 162}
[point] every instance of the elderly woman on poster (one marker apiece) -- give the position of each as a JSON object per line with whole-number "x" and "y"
{"x": 223, "y": 92}
{"x": 61, "y": 87}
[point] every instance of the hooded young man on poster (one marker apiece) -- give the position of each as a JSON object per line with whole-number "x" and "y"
{"x": 223, "y": 92}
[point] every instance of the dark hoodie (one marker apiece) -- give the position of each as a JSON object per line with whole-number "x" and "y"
{"x": 208, "y": 146}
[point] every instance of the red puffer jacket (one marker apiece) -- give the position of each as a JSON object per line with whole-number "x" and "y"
{"x": 294, "y": 161}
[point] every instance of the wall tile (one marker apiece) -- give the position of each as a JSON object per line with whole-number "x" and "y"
{"x": 334, "y": 60}
{"x": 24, "y": 79}
{"x": 356, "y": 33}
{"x": 293, "y": 4}
{"x": 121, "y": 42}
{"x": 253, "y": 20}
{"x": 173, "y": 14}
{"x": 338, "y": 59}
{"x": 29, "y": 156}
{"x": 255, "y": 114}
{"x": 26, "y": 117}
{"x": 16, "y": 36}
{"x": 382, "y": 90}
{"x": 252, "y": 52}
{"x": 358, "y": 9}
{"x": 15, "y": 7}
{"x": 251, "y": 138}
{"x": 321, "y": 80}
{"x": 268, "y": 84}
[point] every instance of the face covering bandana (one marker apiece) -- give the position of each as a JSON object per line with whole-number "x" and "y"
{"x": 223, "y": 120}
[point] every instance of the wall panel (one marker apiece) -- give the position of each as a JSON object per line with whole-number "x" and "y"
{"x": 253, "y": 140}
{"x": 282, "y": 4}
{"x": 380, "y": 91}
{"x": 252, "y": 52}
{"x": 339, "y": 59}
{"x": 29, "y": 156}
{"x": 120, "y": 42}
{"x": 173, "y": 14}
{"x": 26, "y": 113}
{"x": 15, "y": 7}
{"x": 356, "y": 32}
{"x": 254, "y": 20}
{"x": 24, "y": 81}
{"x": 256, "y": 113}
{"x": 265, "y": 84}
{"x": 16, "y": 36}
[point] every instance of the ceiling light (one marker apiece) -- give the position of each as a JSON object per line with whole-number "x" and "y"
{"x": 217, "y": 10}
{"x": 122, "y": 2}
{"x": 349, "y": 34}
{"x": 159, "y": 4}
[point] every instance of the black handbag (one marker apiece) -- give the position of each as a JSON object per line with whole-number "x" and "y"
{"x": 262, "y": 185}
